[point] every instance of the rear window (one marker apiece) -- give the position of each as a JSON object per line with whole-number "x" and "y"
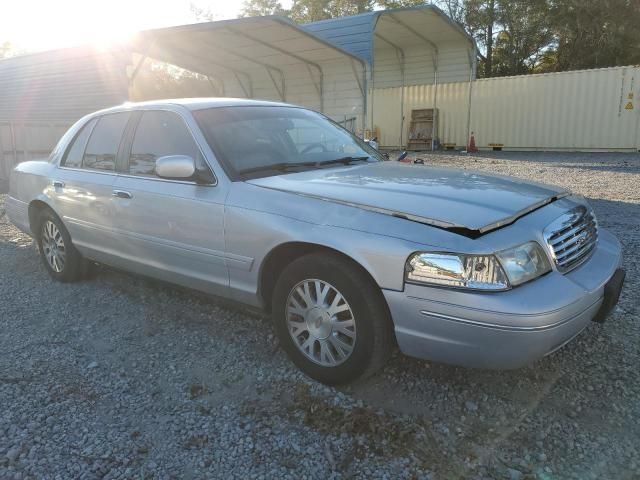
{"x": 102, "y": 148}
{"x": 73, "y": 158}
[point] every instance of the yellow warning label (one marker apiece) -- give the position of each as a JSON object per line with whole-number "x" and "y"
{"x": 629, "y": 106}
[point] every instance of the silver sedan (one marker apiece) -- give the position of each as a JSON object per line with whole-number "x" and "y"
{"x": 279, "y": 208}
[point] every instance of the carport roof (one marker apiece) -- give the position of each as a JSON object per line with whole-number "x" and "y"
{"x": 239, "y": 45}
{"x": 400, "y": 26}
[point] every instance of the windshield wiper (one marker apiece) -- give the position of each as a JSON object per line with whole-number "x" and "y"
{"x": 287, "y": 166}
{"x": 344, "y": 160}
{"x": 279, "y": 167}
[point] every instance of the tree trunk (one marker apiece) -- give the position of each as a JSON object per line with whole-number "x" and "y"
{"x": 488, "y": 64}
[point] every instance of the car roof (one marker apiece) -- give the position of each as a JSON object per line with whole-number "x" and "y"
{"x": 195, "y": 103}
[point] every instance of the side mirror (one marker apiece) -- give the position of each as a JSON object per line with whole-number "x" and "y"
{"x": 175, "y": 166}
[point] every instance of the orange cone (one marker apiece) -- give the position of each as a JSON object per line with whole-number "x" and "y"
{"x": 472, "y": 144}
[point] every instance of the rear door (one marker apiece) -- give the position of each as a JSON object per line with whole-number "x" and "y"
{"x": 170, "y": 229}
{"x": 83, "y": 184}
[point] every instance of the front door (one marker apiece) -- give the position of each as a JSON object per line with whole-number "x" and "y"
{"x": 169, "y": 229}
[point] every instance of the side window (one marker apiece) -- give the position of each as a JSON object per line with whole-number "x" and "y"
{"x": 159, "y": 134}
{"x": 104, "y": 142}
{"x": 73, "y": 158}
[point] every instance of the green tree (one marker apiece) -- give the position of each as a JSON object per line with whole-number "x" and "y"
{"x": 513, "y": 36}
{"x": 525, "y": 35}
{"x": 259, "y": 8}
{"x": 480, "y": 20}
{"x": 595, "y": 33}
{"x": 304, "y": 11}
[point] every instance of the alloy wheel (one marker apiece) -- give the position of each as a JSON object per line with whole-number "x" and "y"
{"x": 53, "y": 246}
{"x": 321, "y": 322}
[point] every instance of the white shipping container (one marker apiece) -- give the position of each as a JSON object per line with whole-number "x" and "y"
{"x": 579, "y": 110}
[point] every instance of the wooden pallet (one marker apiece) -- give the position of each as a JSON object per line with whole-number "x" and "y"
{"x": 422, "y": 129}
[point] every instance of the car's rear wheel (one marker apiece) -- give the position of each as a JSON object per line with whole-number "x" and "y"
{"x": 331, "y": 319}
{"x": 61, "y": 259}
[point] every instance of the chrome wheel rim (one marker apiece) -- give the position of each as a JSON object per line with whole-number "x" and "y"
{"x": 321, "y": 322}
{"x": 53, "y": 246}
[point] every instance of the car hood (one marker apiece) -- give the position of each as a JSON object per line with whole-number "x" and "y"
{"x": 447, "y": 198}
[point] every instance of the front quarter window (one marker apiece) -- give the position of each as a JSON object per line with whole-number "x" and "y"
{"x": 265, "y": 140}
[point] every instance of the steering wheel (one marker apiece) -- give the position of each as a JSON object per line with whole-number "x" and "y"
{"x": 311, "y": 146}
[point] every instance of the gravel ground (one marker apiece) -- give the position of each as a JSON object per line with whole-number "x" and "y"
{"x": 122, "y": 377}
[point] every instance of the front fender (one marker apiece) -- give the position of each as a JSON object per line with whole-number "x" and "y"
{"x": 251, "y": 235}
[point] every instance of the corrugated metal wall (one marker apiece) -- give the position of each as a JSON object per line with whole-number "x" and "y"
{"x": 580, "y": 110}
{"x": 61, "y": 84}
{"x": 43, "y": 94}
{"x": 453, "y": 65}
{"x": 27, "y": 141}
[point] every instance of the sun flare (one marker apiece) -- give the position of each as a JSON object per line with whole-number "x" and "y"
{"x": 32, "y": 25}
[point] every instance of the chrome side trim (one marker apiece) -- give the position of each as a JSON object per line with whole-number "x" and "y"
{"x": 140, "y": 177}
{"x": 113, "y": 173}
{"x": 158, "y": 179}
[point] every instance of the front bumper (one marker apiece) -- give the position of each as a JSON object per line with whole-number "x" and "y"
{"x": 503, "y": 330}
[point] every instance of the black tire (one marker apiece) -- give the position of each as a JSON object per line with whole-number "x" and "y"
{"x": 74, "y": 265}
{"x": 374, "y": 338}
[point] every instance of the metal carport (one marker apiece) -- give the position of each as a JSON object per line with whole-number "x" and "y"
{"x": 404, "y": 46}
{"x": 264, "y": 57}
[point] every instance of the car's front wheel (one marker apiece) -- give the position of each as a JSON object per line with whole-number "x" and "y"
{"x": 331, "y": 319}
{"x": 61, "y": 259}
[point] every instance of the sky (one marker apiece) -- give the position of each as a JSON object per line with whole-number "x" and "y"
{"x": 32, "y": 25}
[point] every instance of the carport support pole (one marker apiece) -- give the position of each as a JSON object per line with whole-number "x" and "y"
{"x": 288, "y": 53}
{"x": 401, "y": 59}
{"x": 472, "y": 74}
{"x": 136, "y": 70}
{"x": 434, "y": 124}
{"x": 236, "y": 73}
{"x": 216, "y": 88}
{"x": 435, "y": 63}
{"x": 402, "y": 93}
{"x": 321, "y": 75}
{"x": 365, "y": 98}
{"x": 14, "y": 148}
{"x": 373, "y": 98}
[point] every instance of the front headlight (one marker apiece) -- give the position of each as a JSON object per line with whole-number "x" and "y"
{"x": 524, "y": 262}
{"x": 480, "y": 272}
{"x": 501, "y": 271}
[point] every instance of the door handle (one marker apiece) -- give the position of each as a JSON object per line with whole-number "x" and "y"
{"x": 121, "y": 194}
{"x": 58, "y": 184}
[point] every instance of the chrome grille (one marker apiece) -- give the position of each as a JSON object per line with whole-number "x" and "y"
{"x": 572, "y": 237}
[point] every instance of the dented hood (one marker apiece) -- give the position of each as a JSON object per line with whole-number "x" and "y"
{"x": 447, "y": 198}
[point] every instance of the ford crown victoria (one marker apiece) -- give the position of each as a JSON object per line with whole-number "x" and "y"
{"x": 280, "y": 208}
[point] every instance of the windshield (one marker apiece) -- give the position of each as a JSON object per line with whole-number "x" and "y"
{"x": 259, "y": 141}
